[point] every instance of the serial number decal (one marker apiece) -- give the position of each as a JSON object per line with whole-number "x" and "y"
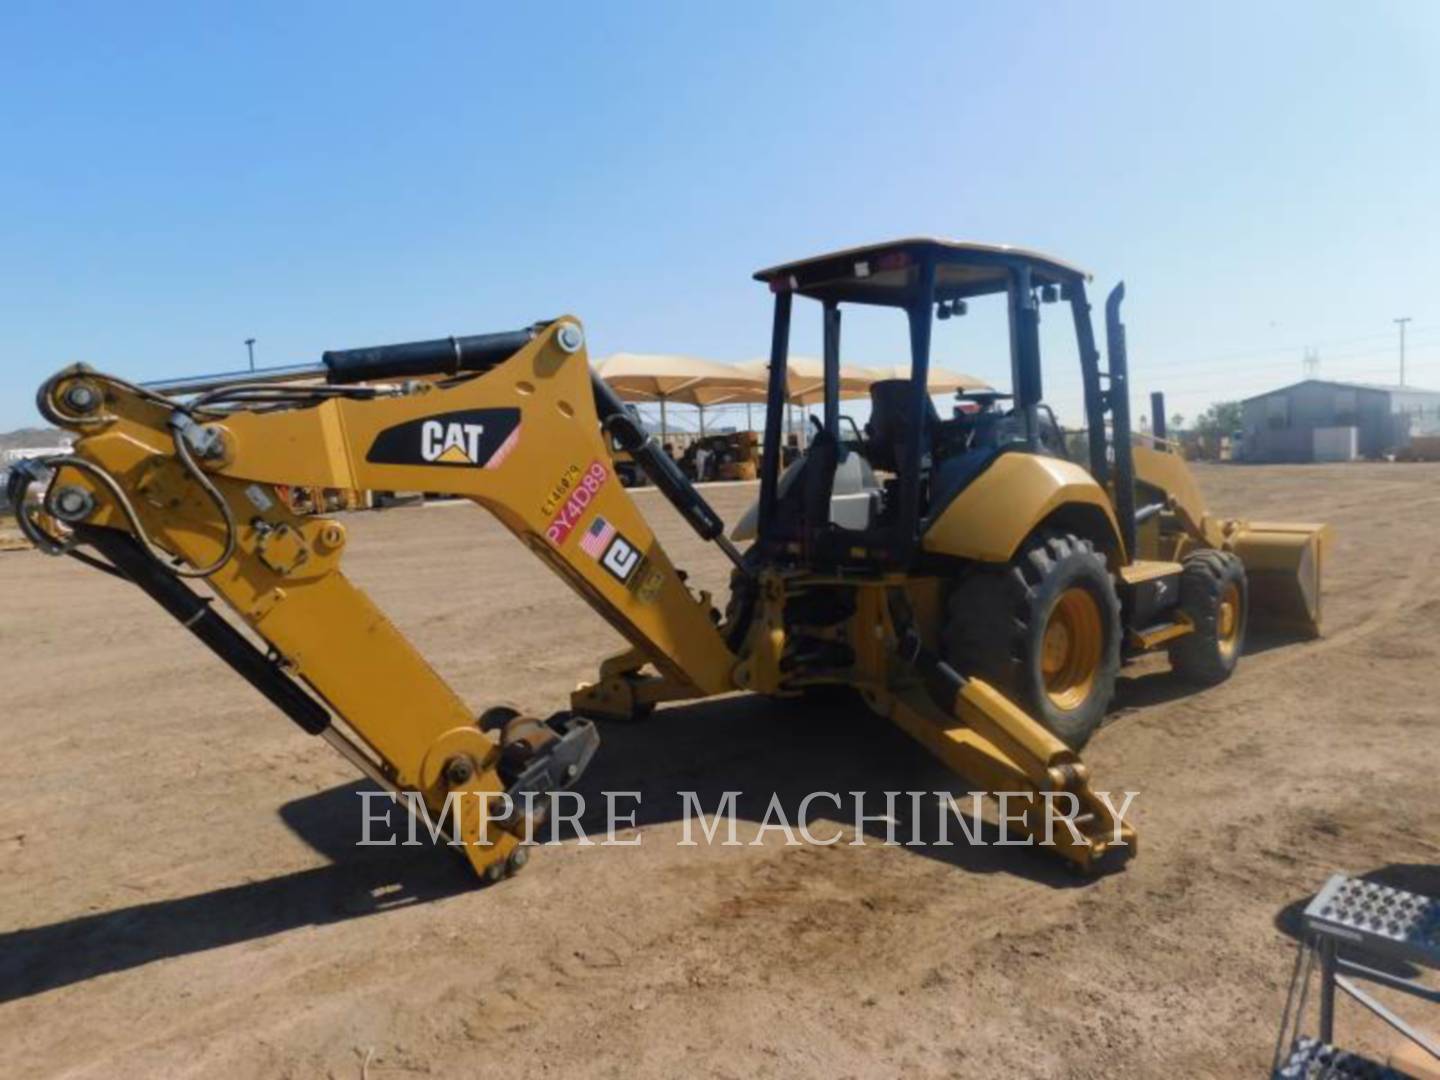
{"x": 569, "y": 513}
{"x": 562, "y": 487}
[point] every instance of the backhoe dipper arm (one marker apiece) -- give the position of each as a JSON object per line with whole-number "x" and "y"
{"x": 166, "y": 491}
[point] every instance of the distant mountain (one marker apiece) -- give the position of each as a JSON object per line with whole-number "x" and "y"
{"x": 28, "y": 437}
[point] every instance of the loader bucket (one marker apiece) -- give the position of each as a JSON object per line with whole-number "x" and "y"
{"x": 1283, "y": 562}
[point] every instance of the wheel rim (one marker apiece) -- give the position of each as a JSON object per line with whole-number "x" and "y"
{"x": 1228, "y": 620}
{"x": 1071, "y": 648}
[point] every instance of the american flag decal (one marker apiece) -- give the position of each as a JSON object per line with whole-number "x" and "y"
{"x": 596, "y": 537}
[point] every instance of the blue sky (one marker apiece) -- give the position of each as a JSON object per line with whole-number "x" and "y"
{"x": 177, "y": 178}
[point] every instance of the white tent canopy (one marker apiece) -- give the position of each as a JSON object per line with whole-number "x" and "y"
{"x": 663, "y": 378}
{"x": 938, "y": 380}
{"x": 805, "y": 379}
{"x": 688, "y": 380}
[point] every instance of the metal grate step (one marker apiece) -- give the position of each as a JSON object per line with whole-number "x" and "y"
{"x": 1310, "y": 1059}
{"x": 1378, "y": 919}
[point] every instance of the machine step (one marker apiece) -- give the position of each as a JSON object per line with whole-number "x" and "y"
{"x": 1310, "y": 1059}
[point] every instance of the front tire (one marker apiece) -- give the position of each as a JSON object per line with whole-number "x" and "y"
{"x": 1215, "y": 596}
{"x": 1045, "y": 631}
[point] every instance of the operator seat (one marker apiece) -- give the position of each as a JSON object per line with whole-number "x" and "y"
{"x": 854, "y": 496}
{"x": 822, "y": 458}
{"x": 888, "y": 426}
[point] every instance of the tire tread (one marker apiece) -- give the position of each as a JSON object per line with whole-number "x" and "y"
{"x": 1196, "y": 657}
{"x": 988, "y": 621}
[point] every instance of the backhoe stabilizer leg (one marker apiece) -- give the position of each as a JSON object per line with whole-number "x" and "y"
{"x": 986, "y": 738}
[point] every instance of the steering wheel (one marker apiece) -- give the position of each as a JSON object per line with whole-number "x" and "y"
{"x": 982, "y": 397}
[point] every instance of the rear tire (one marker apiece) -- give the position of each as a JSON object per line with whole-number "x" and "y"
{"x": 1045, "y": 631}
{"x": 1215, "y": 596}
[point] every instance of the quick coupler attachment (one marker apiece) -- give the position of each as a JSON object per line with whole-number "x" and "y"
{"x": 538, "y": 757}
{"x": 491, "y": 784}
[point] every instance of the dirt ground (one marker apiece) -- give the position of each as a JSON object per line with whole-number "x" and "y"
{"x": 181, "y": 894}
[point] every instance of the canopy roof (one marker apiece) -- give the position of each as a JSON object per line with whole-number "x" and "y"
{"x": 938, "y": 380}
{"x": 685, "y": 379}
{"x": 888, "y": 273}
{"x": 805, "y": 379}
{"x": 688, "y": 380}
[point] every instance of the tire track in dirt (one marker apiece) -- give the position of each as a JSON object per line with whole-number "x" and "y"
{"x": 767, "y": 961}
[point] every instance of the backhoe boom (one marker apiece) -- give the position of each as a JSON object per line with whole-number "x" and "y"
{"x": 167, "y": 490}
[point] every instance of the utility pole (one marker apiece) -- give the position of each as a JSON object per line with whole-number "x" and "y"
{"x": 250, "y": 347}
{"x": 1401, "y": 323}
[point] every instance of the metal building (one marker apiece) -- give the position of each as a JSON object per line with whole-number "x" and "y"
{"x": 1321, "y": 420}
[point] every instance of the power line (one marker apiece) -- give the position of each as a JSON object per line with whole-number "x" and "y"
{"x": 1362, "y": 373}
{"x": 1244, "y": 359}
{"x": 1269, "y": 350}
{"x": 1206, "y": 371}
{"x": 1206, "y": 374}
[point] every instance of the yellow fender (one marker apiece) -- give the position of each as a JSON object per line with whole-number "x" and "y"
{"x": 991, "y": 518}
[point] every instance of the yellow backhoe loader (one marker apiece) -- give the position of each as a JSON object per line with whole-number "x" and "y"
{"x": 961, "y": 574}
